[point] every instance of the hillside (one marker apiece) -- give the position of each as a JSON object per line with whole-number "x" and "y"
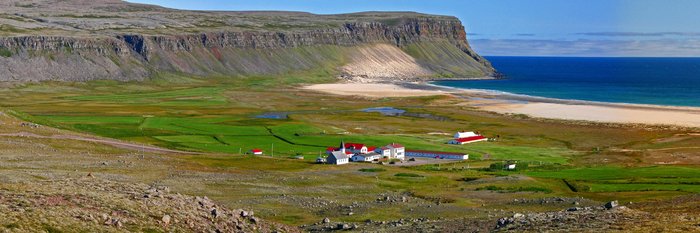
{"x": 79, "y": 40}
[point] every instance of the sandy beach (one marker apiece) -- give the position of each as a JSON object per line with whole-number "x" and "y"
{"x": 375, "y": 90}
{"x": 531, "y": 106}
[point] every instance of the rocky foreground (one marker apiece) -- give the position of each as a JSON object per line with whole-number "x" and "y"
{"x": 91, "y": 204}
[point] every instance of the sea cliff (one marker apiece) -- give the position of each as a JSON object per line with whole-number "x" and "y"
{"x": 124, "y": 41}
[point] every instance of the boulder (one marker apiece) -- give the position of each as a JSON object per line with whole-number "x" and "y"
{"x": 166, "y": 220}
{"x": 611, "y": 205}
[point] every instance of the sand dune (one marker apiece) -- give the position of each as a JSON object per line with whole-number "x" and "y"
{"x": 382, "y": 61}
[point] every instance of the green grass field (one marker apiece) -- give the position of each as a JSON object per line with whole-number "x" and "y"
{"x": 620, "y": 179}
{"x": 217, "y": 116}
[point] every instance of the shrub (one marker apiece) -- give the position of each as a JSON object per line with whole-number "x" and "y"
{"x": 407, "y": 175}
{"x": 4, "y": 52}
{"x": 514, "y": 189}
{"x": 467, "y": 179}
{"x": 372, "y": 170}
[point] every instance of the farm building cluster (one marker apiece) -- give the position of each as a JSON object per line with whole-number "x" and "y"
{"x": 358, "y": 152}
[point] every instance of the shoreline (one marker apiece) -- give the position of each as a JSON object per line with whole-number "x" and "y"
{"x": 538, "y": 99}
{"x": 533, "y": 106}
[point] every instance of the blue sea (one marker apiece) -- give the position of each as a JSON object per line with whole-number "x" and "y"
{"x": 656, "y": 81}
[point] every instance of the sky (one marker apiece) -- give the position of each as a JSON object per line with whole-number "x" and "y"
{"x": 593, "y": 28}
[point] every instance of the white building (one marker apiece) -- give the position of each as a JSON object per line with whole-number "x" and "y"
{"x": 256, "y": 151}
{"x": 462, "y": 141}
{"x": 393, "y": 151}
{"x": 436, "y": 154}
{"x": 462, "y": 138}
{"x": 338, "y": 158}
{"x": 509, "y": 166}
{"x": 465, "y": 134}
{"x": 369, "y": 157}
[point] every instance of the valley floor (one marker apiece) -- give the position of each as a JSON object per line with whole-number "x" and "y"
{"x": 74, "y": 157}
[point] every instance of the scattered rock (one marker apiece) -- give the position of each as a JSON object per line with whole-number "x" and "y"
{"x": 166, "y": 220}
{"x": 343, "y": 226}
{"x": 326, "y": 220}
{"x": 611, "y": 205}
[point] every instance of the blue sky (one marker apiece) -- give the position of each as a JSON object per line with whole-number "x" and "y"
{"x": 528, "y": 27}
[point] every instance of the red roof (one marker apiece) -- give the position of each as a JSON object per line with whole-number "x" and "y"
{"x": 357, "y": 146}
{"x": 469, "y": 139}
{"x": 331, "y": 149}
{"x": 396, "y": 145}
{"x": 371, "y": 148}
{"x": 256, "y": 150}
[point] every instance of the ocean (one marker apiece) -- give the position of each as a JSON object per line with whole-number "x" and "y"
{"x": 655, "y": 81}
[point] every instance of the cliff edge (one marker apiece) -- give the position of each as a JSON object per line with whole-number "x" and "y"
{"x": 80, "y": 40}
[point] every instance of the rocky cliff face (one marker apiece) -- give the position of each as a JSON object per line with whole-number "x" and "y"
{"x": 40, "y": 47}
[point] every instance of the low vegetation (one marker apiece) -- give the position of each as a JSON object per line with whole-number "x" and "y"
{"x": 4, "y": 52}
{"x": 376, "y": 169}
{"x": 217, "y": 118}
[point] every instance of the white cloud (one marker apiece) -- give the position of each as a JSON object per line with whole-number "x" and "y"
{"x": 588, "y": 47}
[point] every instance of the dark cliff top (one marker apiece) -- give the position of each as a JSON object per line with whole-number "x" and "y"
{"x": 110, "y": 17}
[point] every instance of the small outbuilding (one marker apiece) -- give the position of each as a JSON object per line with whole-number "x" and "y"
{"x": 369, "y": 157}
{"x": 462, "y": 138}
{"x": 256, "y": 152}
{"x": 509, "y": 166}
{"x": 462, "y": 141}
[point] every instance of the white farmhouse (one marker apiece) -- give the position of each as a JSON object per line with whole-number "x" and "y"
{"x": 393, "y": 151}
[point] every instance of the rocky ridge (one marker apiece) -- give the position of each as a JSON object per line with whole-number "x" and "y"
{"x": 99, "y": 205}
{"x": 124, "y": 41}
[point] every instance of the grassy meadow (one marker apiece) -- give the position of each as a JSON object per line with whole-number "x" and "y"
{"x": 217, "y": 116}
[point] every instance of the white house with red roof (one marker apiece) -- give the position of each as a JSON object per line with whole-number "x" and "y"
{"x": 351, "y": 148}
{"x": 393, "y": 151}
{"x": 462, "y": 138}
